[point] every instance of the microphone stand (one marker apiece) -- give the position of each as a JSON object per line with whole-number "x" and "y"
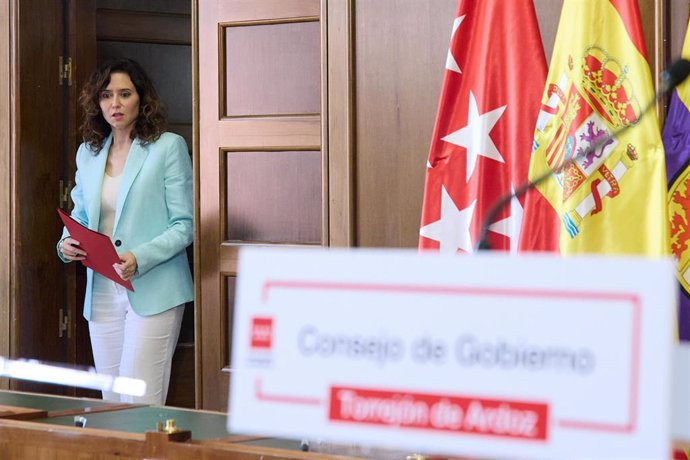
{"x": 677, "y": 72}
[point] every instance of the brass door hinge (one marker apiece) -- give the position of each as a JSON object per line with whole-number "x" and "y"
{"x": 65, "y": 70}
{"x": 65, "y": 188}
{"x": 64, "y": 323}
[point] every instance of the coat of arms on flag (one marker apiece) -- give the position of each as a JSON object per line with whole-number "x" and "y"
{"x": 576, "y": 121}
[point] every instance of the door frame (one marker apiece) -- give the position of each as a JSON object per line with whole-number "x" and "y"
{"x": 8, "y": 10}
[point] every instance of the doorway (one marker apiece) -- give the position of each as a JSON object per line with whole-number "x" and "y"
{"x": 57, "y": 44}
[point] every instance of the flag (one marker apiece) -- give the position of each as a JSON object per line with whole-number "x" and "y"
{"x": 676, "y": 138}
{"x": 495, "y": 72}
{"x": 681, "y": 454}
{"x": 612, "y": 197}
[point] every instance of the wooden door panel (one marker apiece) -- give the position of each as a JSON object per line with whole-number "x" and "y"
{"x": 273, "y": 196}
{"x": 40, "y": 281}
{"x": 287, "y": 57}
{"x": 254, "y": 129}
{"x": 47, "y": 324}
{"x": 238, "y": 11}
{"x": 271, "y": 132}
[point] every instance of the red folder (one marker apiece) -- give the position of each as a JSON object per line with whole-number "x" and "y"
{"x": 100, "y": 252}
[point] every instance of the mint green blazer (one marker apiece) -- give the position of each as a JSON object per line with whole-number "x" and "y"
{"x": 153, "y": 218}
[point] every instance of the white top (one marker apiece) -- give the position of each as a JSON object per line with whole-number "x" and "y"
{"x": 111, "y": 185}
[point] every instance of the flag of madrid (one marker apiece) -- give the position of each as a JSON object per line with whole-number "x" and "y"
{"x": 482, "y": 139}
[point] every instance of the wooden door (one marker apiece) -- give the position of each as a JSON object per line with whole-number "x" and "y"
{"x": 47, "y": 296}
{"x": 259, "y": 157}
{"x": 43, "y": 306}
{"x": 36, "y": 188}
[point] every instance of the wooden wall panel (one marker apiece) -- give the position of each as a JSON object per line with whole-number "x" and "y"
{"x": 548, "y": 15}
{"x": 144, "y": 27}
{"x": 151, "y": 6}
{"x": 648, "y": 14}
{"x": 400, "y": 52}
{"x": 6, "y": 147}
{"x": 677, "y": 23}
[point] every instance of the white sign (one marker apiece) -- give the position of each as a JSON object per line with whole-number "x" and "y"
{"x": 680, "y": 426}
{"x": 486, "y": 355}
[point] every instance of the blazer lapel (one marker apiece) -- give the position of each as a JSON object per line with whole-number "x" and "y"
{"x": 95, "y": 175}
{"x": 135, "y": 160}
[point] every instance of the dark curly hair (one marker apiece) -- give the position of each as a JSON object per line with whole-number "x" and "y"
{"x": 152, "y": 119}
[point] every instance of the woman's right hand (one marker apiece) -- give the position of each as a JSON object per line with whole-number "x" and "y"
{"x": 69, "y": 247}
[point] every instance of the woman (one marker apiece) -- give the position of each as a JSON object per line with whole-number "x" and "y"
{"x": 133, "y": 183}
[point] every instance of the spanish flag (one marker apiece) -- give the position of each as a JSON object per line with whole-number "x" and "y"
{"x": 612, "y": 198}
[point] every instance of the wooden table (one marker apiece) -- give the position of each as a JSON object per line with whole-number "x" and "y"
{"x": 42, "y": 427}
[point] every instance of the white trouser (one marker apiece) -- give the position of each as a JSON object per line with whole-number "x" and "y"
{"x": 128, "y": 345}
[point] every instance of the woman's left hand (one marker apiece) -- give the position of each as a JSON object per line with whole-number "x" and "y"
{"x": 127, "y": 267}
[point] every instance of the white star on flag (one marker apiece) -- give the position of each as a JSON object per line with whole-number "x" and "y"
{"x": 451, "y": 63}
{"x": 475, "y": 135}
{"x": 452, "y": 230}
{"x": 511, "y": 225}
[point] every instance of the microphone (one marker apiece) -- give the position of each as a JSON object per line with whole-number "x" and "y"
{"x": 672, "y": 77}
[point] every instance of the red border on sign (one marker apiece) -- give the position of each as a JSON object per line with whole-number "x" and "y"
{"x": 627, "y": 427}
{"x": 261, "y": 396}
